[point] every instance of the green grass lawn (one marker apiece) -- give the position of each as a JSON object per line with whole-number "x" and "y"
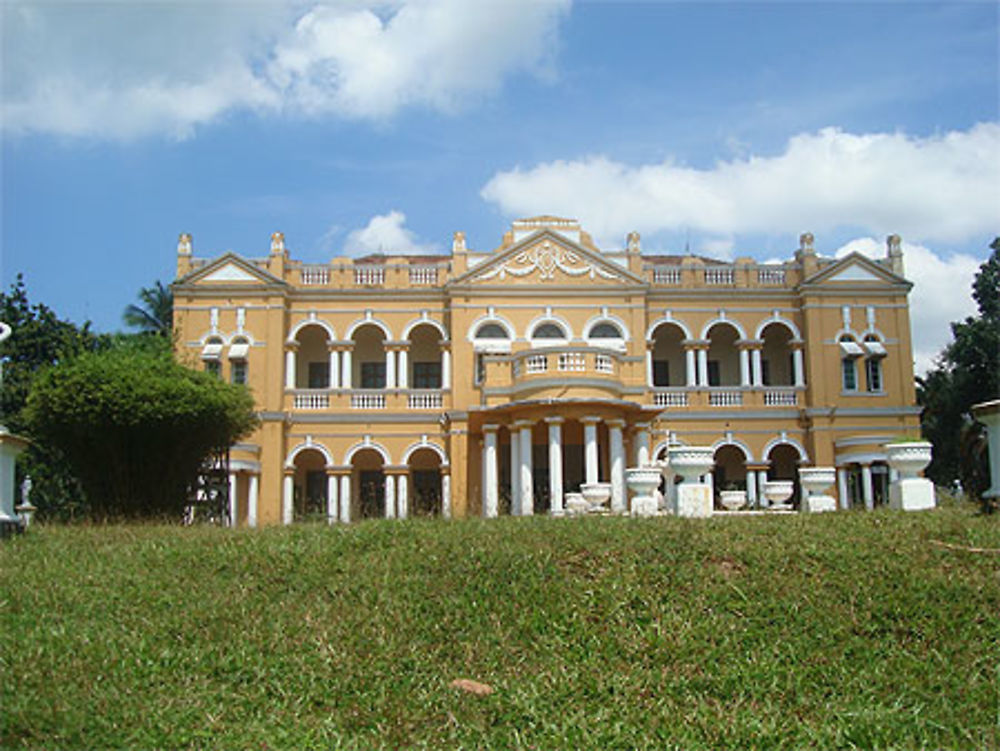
{"x": 831, "y": 631}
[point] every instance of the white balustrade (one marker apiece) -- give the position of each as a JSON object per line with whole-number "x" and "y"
{"x": 311, "y": 400}
{"x": 666, "y": 276}
{"x": 368, "y": 400}
{"x": 572, "y": 361}
{"x": 536, "y": 364}
{"x": 369, "y": 276}
{"x": 771, "y": 276}
{"x": 423, "y": 276}
{"x": 315, "y": 275}
{"x": 725, "y": 398}
{"x": 780, "y": 398}
{"x": 720, "y": 276}
{"x": 604, "y": 364}
{"x": 424, "y": 400}
{"x": 670, "y": 398}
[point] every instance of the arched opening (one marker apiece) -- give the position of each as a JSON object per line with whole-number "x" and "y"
{"x": 784, "y": 459}
{"x": 425, "y": 483}
{"x": 723, "y": 357}
{"x": 211, "y": 355}
{"x": 425, "y": 357}
{"x": 730, "y": 470}
{"x": 368, "y": 482}
{"x": 491, "y": 330}
{"x": 312, "y": 359}
{"x": 777, "y": 367}
{"x": 309, "y": 499}
{"x": 669, "y": 366}
{"x": 548, "y": 333}
{"x": 368, "y": 362}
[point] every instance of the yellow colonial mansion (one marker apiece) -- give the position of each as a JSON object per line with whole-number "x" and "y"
{"x": 501, "y": 381}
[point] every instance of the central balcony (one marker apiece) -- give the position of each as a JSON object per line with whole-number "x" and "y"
{"x": 353, "y": 400}
{"x": 726, "y": 397}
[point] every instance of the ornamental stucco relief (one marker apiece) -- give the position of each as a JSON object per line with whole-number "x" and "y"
{"x": 546, "y": 257}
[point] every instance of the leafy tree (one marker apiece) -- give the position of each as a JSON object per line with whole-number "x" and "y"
{"x": 155, "y": 315}
{"x": 968, "y": 372}
{"x": 135, "y": 425}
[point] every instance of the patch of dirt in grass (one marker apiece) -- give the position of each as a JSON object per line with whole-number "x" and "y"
{"x": 727, "y": 567}
{"x": 586, "y": 564}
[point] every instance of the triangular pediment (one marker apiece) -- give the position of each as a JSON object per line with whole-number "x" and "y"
{"x": 548, "y": 258}
{"x": 229, "y": 269}
{"x": 854, "y": 269}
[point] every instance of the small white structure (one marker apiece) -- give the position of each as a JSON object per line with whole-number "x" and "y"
{"x": 910, "y": 492}
{"x": 988, "y": 413}
{"x": 733, "y": 500}
{"x": 643, "y": 482}
{"x": 10, "y": 446}
{"x": 777, "y": 493}
{"x": 814, "y": 480}
{"x": 693, "y": 497}
{"x": 596, "y": 494}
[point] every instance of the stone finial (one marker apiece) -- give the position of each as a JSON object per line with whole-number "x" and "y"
{"x": 184, "y": 244}
{"x": 632, "y": 242}
{"x": 894, "y": 252}
{"x": 458, "y": 243}
{"x": 806, "y": 242}
{"x": 277, "y": 242}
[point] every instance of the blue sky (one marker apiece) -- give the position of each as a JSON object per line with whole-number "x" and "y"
{"x": 358, "y": 126}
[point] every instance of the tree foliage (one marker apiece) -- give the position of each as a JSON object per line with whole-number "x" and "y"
{"x": 968, "y": 372}
{"x": 155, "y": 314}
{"x": 135, "y": 425}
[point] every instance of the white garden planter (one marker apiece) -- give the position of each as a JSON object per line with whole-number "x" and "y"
{"x": 814, "y": 480}
{"x": 643, "y": 482}
{"x": 596, "y": 494}
{"x": 778, "y": 492}
{"x": 694, "y": 498}
{"x": 910, "y": 492}
{"x": 733, "y": 500}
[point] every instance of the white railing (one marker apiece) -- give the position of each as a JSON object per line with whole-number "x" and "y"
{"x": 369, "y": 276}
{"x": 725, "y": 398}
{"x": 670, "y": 398}
{"x": 423, "y": 276}
{"x": 311, "y": 400}
{"x": 536, "y": 364}
{"x": 424, "y": 400}
{"x": 771, "y": 276}
{"x": 666, "y": 276}
{"x": 572, "y": 361}
{"x": 604, "y": 364}
{"x": 720, "y": 276}
{"x": 780, "y": 398}
{"x": 315, "y": 275}
{"x": 368, "y": 400}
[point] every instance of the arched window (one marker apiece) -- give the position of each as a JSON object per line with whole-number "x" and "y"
{"x": 850, "y": 351}
{"x": 491, "y": 331}
{"x": 605, "y": 330}
{"x": 211, "y": 354}
{"x": 239, "y": 349}
{"x": 875, "y": 351}
{"x": 548, "y": 331}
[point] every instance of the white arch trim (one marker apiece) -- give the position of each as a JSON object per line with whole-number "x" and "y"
{"x": 780, "y": 320}
{"x": 293, "y": 334}
{"x": 425, "y": 322}
{"x": 803, "y": 456}
{"x": 308, "y": 445}
{"x": 723, "y": 442}
{"x": 729, "y": 322}
{"x": 609, "y": 318}
{"x": 501, "y": 322}
{"x": 377, "y": 322}
{"x": 558, "y": 320}
{"x": 675, "y": 321}
{"x": 425, "y": 445}
{"x": 367, "y": 444}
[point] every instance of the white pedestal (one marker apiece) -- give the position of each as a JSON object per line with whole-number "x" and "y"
{"x": 912, "y": 494}
{"x": 694, "y": 500}
{"x": 644, "y": 505}
{"x": 575, "y": 504}
{"x": 816, "y": 503}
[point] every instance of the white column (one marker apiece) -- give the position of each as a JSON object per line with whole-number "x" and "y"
{"x": 331, "y": 497}
{"x": 232, "y": 499}
{"x": 867, "y": 492}
{"x": 752, "y": 488}
{"x": 490, "y": 490}
{"x": 289, "y": 368}
{"x": 334, "y": 369}
{"x": 445, "y": 369}
{"x": 287, "y": 498}
{"x": 709, "y": 480}
{"x": 555, "y": 465}
{"x": 252, "y": 500}
{"x": 642, "y": 446}
{"x": 761, "y": 482}
{"x": 390, "y": 368}
{"x": 845, "y": 502}
{"x": 515, "y": 473}
{"x": 527, "y": 497}
{"x": 446, "y": 495}
{"x": 619, "y": 503}
{"x": 744, "y": 367}
{"x": 404, "y": 369}
{"x": 758, "y": 368}
{"x": 649, "y": 366}
{"x": 345, "y": 369}
{"x": 345, "y": 498}
{"x": 390, "y": 496}
{"x": 702, "y": 367}
{"x": 590, "y": 460}
{"x": 798, "y": 366}
{"x": 691, "y": 376}
{"x": 403, "y": 498}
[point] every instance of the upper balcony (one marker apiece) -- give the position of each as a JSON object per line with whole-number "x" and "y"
{"x": 690, "y": 272}
{"x": 372, "y": 273}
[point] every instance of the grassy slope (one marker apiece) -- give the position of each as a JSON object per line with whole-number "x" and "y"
{"x": 827, "y": 631}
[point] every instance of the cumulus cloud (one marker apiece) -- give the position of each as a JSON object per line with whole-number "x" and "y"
{"x": 941, "y": 292}
{"x": 940, "y": 188}
{"x": 385, "y": 233}
{"x": 132, "y": 70}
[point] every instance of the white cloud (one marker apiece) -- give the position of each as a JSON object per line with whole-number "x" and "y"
{"x": 944, "y": 187}
{"x": 132, "y": 70}
{"x": 385, "y": 233}
{"x": 942, "y": 293}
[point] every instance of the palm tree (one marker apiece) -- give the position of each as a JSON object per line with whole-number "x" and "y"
{"x": 155, "y": 314}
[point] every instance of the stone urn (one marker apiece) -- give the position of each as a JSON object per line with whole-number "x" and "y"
{"x": 910, "y": 492}
{"x": 908, "y": 458}
{"x": 778, "y": 492}
{"x": 733, "y": 500}
{"x": 693, "y": 497}
{"x": 575, "y": 504}
{"x": 596, "y": 494}
{"x": 643, "y": 483}
{"x": 814, "y": 480}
